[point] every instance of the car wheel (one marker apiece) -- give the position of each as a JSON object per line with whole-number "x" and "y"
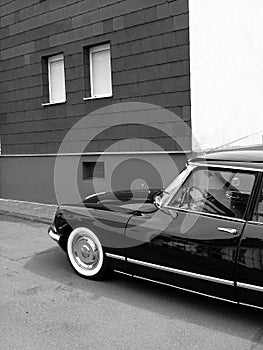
{"x": 86, "y": 255}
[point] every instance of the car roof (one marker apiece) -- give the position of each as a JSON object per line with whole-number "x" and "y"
{"x": 241, "y": 158}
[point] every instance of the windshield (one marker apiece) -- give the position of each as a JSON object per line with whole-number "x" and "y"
{"x": 174, "y": 186}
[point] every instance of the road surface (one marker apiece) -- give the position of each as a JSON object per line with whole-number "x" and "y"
{"x": 45, "y": 305}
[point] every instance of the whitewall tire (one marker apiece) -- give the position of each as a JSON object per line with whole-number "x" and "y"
{"x": 85, "y": 254}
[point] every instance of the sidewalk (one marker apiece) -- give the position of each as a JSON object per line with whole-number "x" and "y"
{"x": 38, "y": 212}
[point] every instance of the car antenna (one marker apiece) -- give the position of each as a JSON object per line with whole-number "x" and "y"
{"x": 235, "y": 147}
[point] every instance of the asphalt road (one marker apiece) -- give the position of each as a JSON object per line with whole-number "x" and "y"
{"x": 45, "y": 305}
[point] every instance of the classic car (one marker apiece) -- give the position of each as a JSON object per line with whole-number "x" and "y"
{"x": 203, "y": 233}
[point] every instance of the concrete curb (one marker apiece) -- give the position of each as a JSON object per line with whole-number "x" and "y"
{"x": 26, "y": 217}
{"x": 36, "y": 212}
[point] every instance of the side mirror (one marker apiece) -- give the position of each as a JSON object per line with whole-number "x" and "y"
{"x": 157, "y": 201}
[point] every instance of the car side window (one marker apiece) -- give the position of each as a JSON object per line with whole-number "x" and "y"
{"x": 215, "y": 191}
{"x": 258, "y": 211}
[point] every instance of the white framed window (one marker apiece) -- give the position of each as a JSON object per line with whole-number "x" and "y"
{"x": 56, "y": 79}
{"x": 100, "y": 71}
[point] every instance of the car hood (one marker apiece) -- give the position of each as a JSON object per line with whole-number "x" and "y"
{"x": 124, "y": 201}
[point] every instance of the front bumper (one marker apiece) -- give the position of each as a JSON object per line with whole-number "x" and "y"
{"x": 52, "y": 232}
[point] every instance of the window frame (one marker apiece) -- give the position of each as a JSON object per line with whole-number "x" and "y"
{"x": 50, "y": 59}
{"x": 219, "y": 168}
{"x": 93, "y": 49}
{"x": 258, "y": 188}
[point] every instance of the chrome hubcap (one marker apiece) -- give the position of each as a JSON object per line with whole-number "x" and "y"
{"x": 85, "y": 252}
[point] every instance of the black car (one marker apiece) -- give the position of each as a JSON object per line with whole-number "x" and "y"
{"x": 204, "y": 233}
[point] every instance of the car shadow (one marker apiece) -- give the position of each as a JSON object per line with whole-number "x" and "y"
{"x": 172, "y": 303}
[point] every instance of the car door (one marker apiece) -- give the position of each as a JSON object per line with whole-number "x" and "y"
{"x": 192, "y": 241}
{"x": 250, "y": 258}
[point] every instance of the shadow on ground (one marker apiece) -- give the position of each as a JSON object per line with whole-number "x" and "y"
{"x": 169, "y": 302}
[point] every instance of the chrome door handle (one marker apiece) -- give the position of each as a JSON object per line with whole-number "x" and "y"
{"x": 232, "y": 231}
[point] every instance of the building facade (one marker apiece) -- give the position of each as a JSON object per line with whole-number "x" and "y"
{"x": 226, "y": 58}
{"x": 103, "y": 82}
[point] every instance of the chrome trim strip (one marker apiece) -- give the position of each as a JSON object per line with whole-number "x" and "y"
{"x": 123, "y": 273}
{"x": 231, "y": 231}
{"x": 249, "y": 286}
{"x": 208, "y": 165}
{"x": 181, "y": 272}
{"x": 114, "y": 256}
{"x": 184, "y": 289}
{"x": 189, "y": 290}
{"x": 53, "y": 234}
{"x": 256, "y": 307}
{"x": 94, "y": 195}
{"x": 205, "y": 214}
{"x": 255, "y": 222}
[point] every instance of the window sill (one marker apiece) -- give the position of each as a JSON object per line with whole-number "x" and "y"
{"x": 52, "y": 103}
{"x": 96, "y": 97}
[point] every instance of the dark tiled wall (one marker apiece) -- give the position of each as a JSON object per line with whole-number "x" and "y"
{"x": 150, "y": 63}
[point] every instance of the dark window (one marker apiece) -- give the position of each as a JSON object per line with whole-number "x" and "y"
{"x": 44, "y": 62}
{"x": 86, "y": 71}
{"x": 91, "y": 170}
